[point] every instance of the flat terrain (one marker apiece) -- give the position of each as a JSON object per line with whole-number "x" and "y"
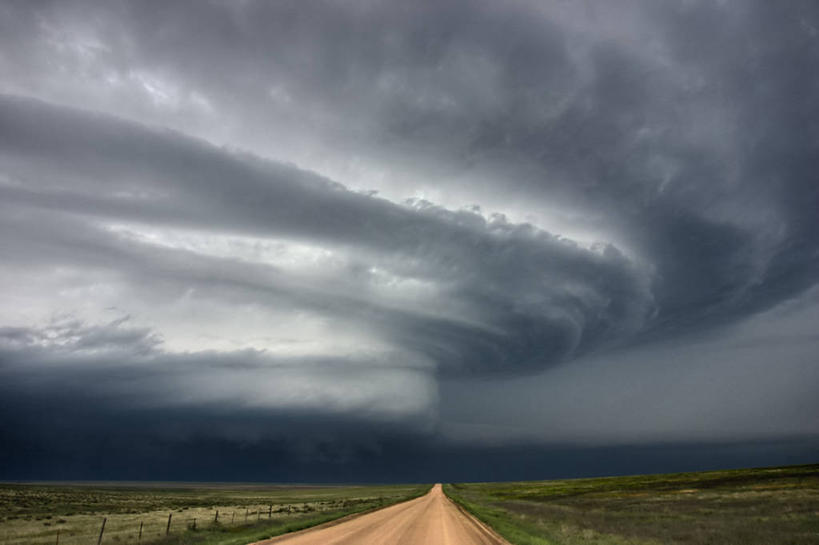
{"x": 429, "y": 520}
{"x": 34, "y": 514}
{"x": 754, "y": 506}
{"x": 742, "y": 507}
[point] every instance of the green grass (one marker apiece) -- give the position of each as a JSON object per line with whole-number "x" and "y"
{"x": 748, "y": 506}
{"x": 33, "y": 514}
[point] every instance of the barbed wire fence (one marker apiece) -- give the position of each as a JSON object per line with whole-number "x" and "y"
{"x": 134, "y": 529}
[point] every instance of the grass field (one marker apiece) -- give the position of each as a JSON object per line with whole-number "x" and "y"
{"x": 34, "y": 514}
{"x": 747, "y": 507}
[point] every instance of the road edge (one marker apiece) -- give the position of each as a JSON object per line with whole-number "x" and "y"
{"x": 478, "y": 522}
{"x": 334, "y": 522}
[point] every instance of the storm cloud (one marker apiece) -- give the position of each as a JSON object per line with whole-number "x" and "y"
{"x": 330, "y": 230}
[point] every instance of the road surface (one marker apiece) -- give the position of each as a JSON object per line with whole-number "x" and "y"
{"x": 431, "y": 519}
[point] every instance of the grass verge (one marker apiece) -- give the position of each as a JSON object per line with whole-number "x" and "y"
{"x": 245, "y": 535}
{"x": 517, "y": 532}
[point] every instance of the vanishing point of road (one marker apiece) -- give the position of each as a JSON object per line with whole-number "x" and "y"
{"x": 431, "y": 519}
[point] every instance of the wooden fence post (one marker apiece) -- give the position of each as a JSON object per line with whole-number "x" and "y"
{"x": 232, "y": 516}
{"x": 216, "y": 518}
{"x": 139, "y": 539}
{"x": 246, "y": 512}
{"x": 194, "y": 523}
{"x": 58, "y": 537}
{"x": 102, "y": 529}
{"x": 270, "y": 511}
{"x": 168, "y": 527}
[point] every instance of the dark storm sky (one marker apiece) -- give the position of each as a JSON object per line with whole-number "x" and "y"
{"x": 444, "y": 240}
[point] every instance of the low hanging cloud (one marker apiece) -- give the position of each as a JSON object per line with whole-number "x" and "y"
{"x": 354, "y": 212}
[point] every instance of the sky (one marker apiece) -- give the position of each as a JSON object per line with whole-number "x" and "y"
{"x": 426, "y": 241}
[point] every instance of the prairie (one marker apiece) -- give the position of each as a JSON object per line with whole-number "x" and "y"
{"x": 72, "y": 513}
{"x": 747, "y": 506}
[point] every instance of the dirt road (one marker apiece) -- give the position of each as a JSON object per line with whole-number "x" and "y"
{"x": 429, "y": 520}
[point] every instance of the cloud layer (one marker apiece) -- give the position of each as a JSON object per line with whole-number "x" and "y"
{"x": 414, "y": 218}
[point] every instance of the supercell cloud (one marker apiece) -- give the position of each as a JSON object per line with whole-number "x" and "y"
{"x": 308, "y": 235}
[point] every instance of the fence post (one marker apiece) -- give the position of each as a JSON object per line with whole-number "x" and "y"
{"x": 246, "y": 512}
{"x": 194, "y": 523}
{"x": 270, "y": 511}
{"x": 216, "y": 518}
{"x": 258, "y": 514}
{"x": 232, "y": 516}
{"x": 139, "y": 539}
{"x": 168, "y": 527}
{"x": 102, "y": 529}
{"x": 58, "y": 537}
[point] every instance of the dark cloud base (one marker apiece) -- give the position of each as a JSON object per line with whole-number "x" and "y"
{"x": 69, "y": 438}
{"x": 136, "y": 457}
